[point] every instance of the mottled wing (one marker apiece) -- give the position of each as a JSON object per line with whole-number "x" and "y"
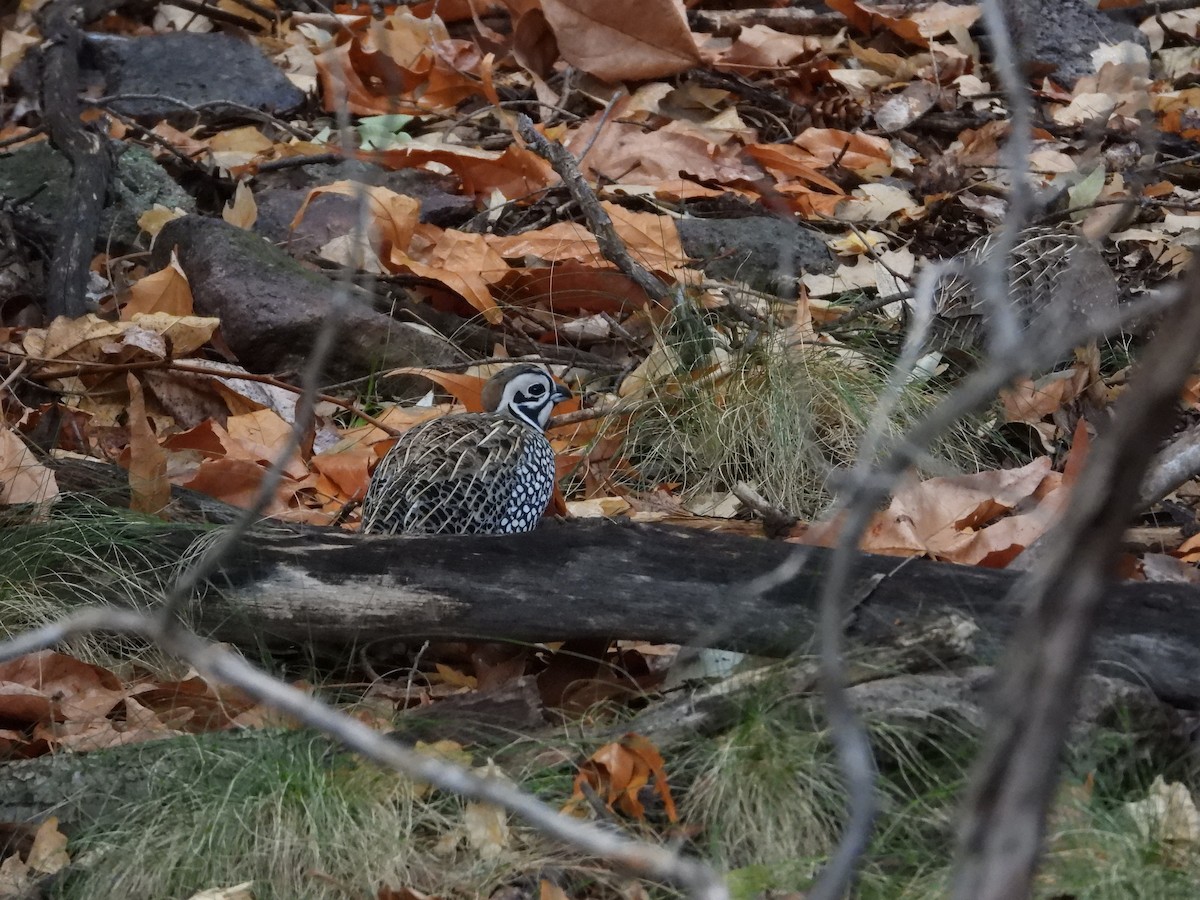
{"x": 453, "y": 475}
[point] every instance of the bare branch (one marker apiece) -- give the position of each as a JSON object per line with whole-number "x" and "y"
{"x": 599, "y": 223}
{"x": 219, "y": 665}
{"x": 1013, "y": 784}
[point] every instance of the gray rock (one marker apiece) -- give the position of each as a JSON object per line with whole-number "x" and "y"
{"x": 332, "y": 215}
{"x": 1061, "y": 34}
{"x": 272, "y": 309}
{"x": 761, "y": 252}
{"x": 39, "y": 177}
{"x": 194, "y": 68}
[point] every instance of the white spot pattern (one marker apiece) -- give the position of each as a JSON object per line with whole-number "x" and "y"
{"x": 472, "y": 473}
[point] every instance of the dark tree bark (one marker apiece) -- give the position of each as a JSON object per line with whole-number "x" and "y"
{"x": 84, "y": 146}
{"x": 333, "y": 592}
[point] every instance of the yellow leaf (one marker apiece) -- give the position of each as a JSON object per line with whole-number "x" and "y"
{"x": 153, "y": 220}
{"x": 242, "y": 211}
{"x": 49, "y": 851}
{"x": 165, "y": 291}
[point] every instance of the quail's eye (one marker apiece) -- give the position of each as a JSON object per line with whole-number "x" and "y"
{"x": 536, "y": 390}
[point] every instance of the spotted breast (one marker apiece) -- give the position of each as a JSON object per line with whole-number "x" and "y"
{"x": 471, "y": 473}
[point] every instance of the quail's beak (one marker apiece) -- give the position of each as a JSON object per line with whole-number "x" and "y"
{"x": 559, "y": 394}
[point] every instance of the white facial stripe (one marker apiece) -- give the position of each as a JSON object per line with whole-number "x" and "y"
{"x": 533, "y": 411}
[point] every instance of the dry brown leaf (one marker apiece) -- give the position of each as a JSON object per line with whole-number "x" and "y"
{"x": 1030, "y": 400}
{"x": 761, "y": 47}
{"x": 466, "y": 389}
{"x": 15, "y": 881}
{"x": 241, "y": 211}
{"x": 400, "y": 64}
{"x": 618, "y": 771}
{"x": 486, "y": 824}
{"x": 651, "y": 239}
{"x": 571, "y": 287}
{"x": 153, "y": 220}
{"x": 623, "y": 40}
{"x": 514, "y": 172}
{"x": 393, "y": 216}
{"x": 49, "y": 689}
{"x": 260, "y": 436}
{"x": 49, "y": 852}
{"x": 92, "y": 339}
{"x": 867, "y": 17}
{"x": 149, "y": 490}
{"x": 627, "y": 153}
{"x": 234, "y": 481}
{"x": 786, "y": 161}
{"x": 345, "y": 470}
{"x": 22, "y": 478}
{"x": 193, "y": 704}
{"x": 966, "y": 518}
{"x": 166, "y": 291}
{"x": 463, "y": 262}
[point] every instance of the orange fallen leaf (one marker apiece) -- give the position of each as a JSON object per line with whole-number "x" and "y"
{"x": 618, "y": 771}
{"x": 623, "y": 40}
{"x": 466, "y": 389}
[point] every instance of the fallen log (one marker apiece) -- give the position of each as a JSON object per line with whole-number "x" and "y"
{"x": 334, "y": 593}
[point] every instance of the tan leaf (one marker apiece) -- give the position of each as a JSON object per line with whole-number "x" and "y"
{"x": 153, "y": 219}
{"x": 50, "y": 686}
{"x": 15, "y": 880}
{"x": 241, "y": 211}
{"x": 1168, "y": 813}
{"x": 149, "y": 490}
{"x": 49, "y": 852}
{"x": 22, "y": 478}
{"x": 166, "y": 291}
{"x": 466, "y": 389}
{"x": 261, "y": 436}
{"x": 487, "y": 825}
{"x": 962, "y": 518}
{"x": 393, "y": 216}
{"x": 623, "y": 40}
{"x": 465, "y": 263}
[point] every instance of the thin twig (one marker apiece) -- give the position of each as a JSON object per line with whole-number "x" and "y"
{"x": 198, "y": 108}
{"x": 639, "y": 858}
{"x": 599, "y": 223}
{"x": 84, "y": 367}
{"x": 599, "y": 412}
{"x": 1004, "y": 332}
{"x": 14, "y": 374}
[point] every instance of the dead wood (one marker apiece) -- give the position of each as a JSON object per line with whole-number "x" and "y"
{"x": 82, "y": 144}
{"x": 1010, "y": 794}
{"x": 333, "y": 593}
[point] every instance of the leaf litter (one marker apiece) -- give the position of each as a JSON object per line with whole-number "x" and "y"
{"x": 775, "y": 123}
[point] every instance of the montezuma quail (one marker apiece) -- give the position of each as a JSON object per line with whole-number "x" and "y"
{"x": 1056, "y": 279}
{"x": 471, "y": 473}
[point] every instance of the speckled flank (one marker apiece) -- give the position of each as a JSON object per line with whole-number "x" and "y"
{"x": 473, "y": 473}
